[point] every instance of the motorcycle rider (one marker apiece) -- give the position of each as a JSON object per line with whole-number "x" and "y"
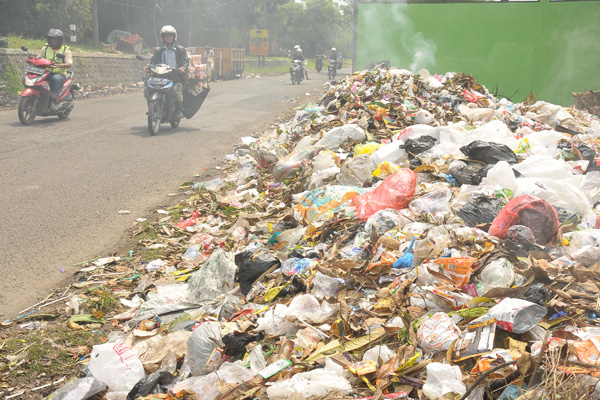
{"x": 174, "y": 56}
{"x": 299, "y": 56}
{"x": 58, "y": 75}
{"x": 333, "y": 55}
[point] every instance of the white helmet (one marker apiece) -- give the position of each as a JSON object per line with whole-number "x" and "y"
{"x": 333, "y": 49}
{"x": 296, "y": 47}
{"x": 167, "y": 29}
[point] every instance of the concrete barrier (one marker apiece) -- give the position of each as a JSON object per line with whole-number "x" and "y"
{"x": 91, "y": 69}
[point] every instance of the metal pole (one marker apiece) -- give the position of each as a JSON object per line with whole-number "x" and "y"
{"x": 354, "y": 34}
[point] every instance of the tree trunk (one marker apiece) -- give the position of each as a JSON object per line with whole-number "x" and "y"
{"x": 95, "y": 22}
{"x": 125, "y": 15}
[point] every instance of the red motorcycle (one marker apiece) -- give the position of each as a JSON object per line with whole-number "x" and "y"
{"x": 36, "y": 98}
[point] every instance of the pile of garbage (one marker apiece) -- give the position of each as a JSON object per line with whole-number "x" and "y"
{"x": 410, "y": 236}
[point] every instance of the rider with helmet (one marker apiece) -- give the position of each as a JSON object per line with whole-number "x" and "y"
{"x": 299, "y": 56}
{"x": 55, "y": 51}
{"x": 174, "y": 56}
{"x": 333, "y": 55}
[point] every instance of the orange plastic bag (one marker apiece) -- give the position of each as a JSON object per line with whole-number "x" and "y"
{"x": 394, "y": 192}
{"x": 457, "y": 268}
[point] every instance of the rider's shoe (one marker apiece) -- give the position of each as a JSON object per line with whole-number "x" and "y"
{"x": 53, "y": 106}
{"x": 179, "y": 110}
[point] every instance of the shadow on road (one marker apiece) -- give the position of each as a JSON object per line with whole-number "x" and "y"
{"x": 46, "y": 122}
{"x": 166, "y": 130}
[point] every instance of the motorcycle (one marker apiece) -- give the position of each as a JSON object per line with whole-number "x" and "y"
{"x": 331, "y": 69}
{"x": 36, "y": 98}
{"x": 297, "y": 71}
{"x": 160, "y": 95}
{"x": 319, "y": 63}
{"x": 340, "y": 62}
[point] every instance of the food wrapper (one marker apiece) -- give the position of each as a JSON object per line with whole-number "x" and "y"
{"x": 457, "y": 268}
{"x": 437, "y": 333}
{"x": 363, "y": 367}
{"x": 515, "y": 315}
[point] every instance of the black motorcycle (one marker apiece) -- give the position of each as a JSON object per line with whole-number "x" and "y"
{"x": 297, "y": 72}
{"x": 319, "y": 62}
{"x": 160, "y": 95}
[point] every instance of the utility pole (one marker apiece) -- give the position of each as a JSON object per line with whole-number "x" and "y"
{"x": 95, "y": 22}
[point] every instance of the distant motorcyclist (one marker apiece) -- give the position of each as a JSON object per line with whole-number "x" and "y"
{"x": 299, "y": 56}
{"x": 174, "y": 56}
{"x": 53, "y": 50}
{"x": 333, "y": 55}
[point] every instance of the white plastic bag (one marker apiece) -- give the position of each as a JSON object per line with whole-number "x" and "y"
{"x": 317, "y": 382}
{"x": 116, "y": 365}
{"x": 200, "y": 347}
{"x": 78, "y": 389}
{"x": 337, "y": 137}
{"x": 442, "y": 379}
{"x": 437, "y": 333}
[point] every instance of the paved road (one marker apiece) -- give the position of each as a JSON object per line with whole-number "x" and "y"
{"x": 63, "y": 183}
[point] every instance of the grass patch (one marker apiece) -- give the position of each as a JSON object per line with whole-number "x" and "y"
{"x": 12, "y": 77}
{"x": 15, "y": 42}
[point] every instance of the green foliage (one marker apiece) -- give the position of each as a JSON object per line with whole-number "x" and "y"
{"x": 11, "y": 76}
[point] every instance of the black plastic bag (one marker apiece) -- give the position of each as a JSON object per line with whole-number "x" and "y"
{"x": 465, "y": 173}
{"x": 297, "y": 286}
{"x": 251, "y": 267}
{"x": 489, "y": 152}
{"x": 235, "y": 344}
{"x": 157, "y": 382}
{"x": 480, "y": 210}
{"x": 418, "y": 145}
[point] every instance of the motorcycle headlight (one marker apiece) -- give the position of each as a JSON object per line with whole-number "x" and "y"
{"x": 29, "y": 82}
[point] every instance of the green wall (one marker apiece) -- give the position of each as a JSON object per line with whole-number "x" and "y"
{"x": 551, "y": 48}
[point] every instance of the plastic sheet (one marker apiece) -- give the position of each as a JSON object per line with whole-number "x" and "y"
{"x": 214, "y": 278}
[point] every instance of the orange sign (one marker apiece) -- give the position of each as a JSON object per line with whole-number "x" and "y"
{"x": 259, "y": 42}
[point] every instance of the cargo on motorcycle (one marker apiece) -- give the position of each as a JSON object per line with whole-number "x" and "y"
{"x": 48, "y": 82}
{"x": 168, "y": 90}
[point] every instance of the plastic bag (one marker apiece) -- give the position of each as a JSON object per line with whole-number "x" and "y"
{"x": 442, "y": 379}
{"x": 465, "y": 174}
{"x": 480, "y": 210}
{"x": 385, "y": 220}
{"x": 235, "y": 344}
{"x": 366, "y": 148}
{"x": 78, "y": 389}
{"x": 379, "y": 354}
{"x": 214, "y": 278}
{"x": 355, "y": 172}
{"x": 394, "y": 192}
{"x": 320, "y": 204}
{"x": 294, "y": 163}
{"x": 200, "y": 348}
{"x": 158, "y": 382}
{"x": 251, "y": 267}
{"x": 515, "y": 315}
{"x": 437, "y": 333}
{"x": 317, "y": 382}
{"x": 325, "y": 286}
{"x": 498, "y": 273}
{"x": 432, "y": 202}
{"x": 116, "y": 365}
{"x": 529, "y": 211}
{"x": 419, "y": 145}
{"x": 488, "y": 152}
{"x": 337, "y": 137}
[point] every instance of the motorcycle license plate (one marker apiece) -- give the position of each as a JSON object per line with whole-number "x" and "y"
{"x": 158, "y": 81}
{"x": 34, "y": 70}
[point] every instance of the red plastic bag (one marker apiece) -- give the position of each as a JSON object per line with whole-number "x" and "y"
{"x": 394, "y": 192}
{"x": 532, "y": 212}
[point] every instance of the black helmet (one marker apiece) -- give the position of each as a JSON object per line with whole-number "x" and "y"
{"x": 55, "y": 34}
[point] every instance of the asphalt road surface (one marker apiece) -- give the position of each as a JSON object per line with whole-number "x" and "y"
{"x": 63, "y": 183}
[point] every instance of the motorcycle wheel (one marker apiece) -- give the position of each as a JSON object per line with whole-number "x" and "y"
{"x": 154, "y": 114}
{"x": 175, "y": 122}
{"x": 26, "y": 110}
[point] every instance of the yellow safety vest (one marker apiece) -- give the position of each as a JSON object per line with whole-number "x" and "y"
{"x": 50, "y": 54}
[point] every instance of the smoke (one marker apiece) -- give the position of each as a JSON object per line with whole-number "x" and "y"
{"x": 392, "y": 36}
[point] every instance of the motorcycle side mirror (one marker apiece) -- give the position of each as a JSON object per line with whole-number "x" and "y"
{"x": 139, "y": 57}
{"x": 24, "y": 48}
